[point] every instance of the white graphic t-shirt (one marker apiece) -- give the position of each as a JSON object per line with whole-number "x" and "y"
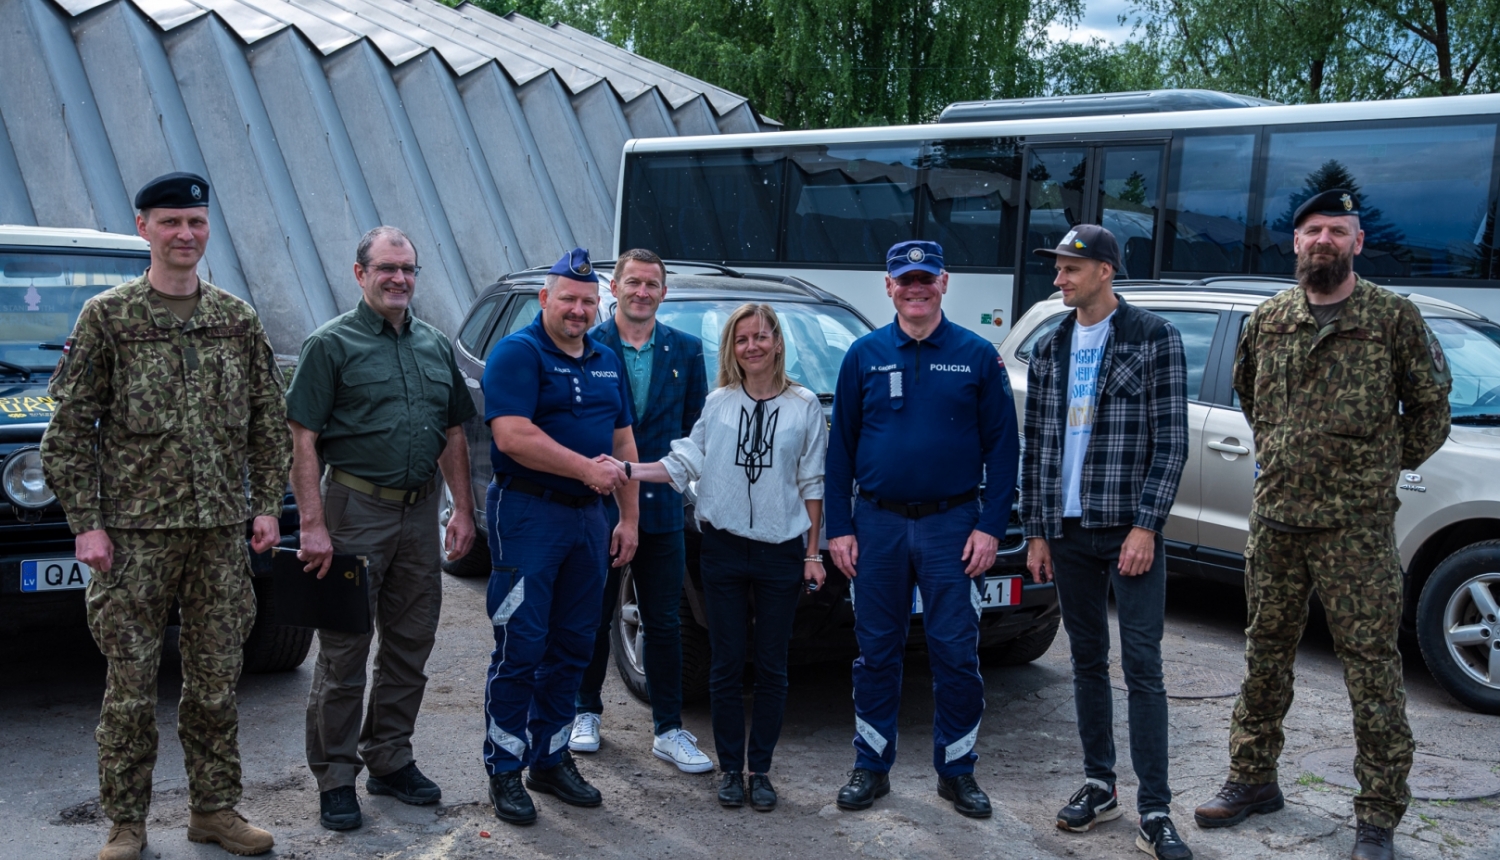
{"x": 1088, "y": 351}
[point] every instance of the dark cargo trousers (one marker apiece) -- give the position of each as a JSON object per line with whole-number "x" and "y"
{"x": 1358, "y": 578}
{"x": 406, "y": 592}
{"x": 208, "y": 572}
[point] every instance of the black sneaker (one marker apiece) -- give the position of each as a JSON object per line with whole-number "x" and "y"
{"x": 565, "y": 782}
{"x": 762, "y": 795}
{"x": 1158, "y": 837}
{"x": 407, "y": 785}
{"x": 732, "y": 790}
{"x": 340, "y": 808}
{"x": 512, "y": 803}
{"x": 863, "y": 788}
{"x": 968, "y": 798}
{"x": 1089, "y": 806}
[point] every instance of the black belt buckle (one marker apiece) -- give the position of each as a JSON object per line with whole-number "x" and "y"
{"x": 915, "y": 511}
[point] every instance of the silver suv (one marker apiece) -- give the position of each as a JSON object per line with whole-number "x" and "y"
{"x": 1449, "y": 521}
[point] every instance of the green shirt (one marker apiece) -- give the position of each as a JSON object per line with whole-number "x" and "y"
{"x": 381, "y": 402}
{"x": 638, "y": 370}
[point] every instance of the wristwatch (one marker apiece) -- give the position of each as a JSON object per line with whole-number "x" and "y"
{"x": 627, "y": 470}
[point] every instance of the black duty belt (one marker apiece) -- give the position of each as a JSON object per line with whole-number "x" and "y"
{"x": 532, "y": 488}
{"x": 922, "y": 509}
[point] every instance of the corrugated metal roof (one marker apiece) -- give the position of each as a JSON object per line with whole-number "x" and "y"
{"x": 495, "y": 142}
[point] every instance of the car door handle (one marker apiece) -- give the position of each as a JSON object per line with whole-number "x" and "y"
{"x": 1228, "y": 448}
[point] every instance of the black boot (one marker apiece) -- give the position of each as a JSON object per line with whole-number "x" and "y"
{"x": 862, "y": 789}
{"x": 732, "y": 790}
{"x": 340, "y": 808}
{"x": 407, "y": 785}
{"x": 512, "y": 803}
{"x": 968, "y": 798}
{"x": 565, "y": 782}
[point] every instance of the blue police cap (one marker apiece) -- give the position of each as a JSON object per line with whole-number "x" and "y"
{"x": 914, "y": 256}
{"x": 173, "y": 191}
{"x": 575, "y": 265}
{"x": 1334, "y": 201}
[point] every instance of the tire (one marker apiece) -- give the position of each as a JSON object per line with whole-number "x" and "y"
{"x": 1023, "y": 649}
{"x": 476, "y": 562}
{"x": 627, "y": 639}
{"x": 273, "y": 647}
{"x": 1458, "y": 625}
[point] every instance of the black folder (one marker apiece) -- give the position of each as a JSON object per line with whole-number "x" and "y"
{"x": 339, "y": 601}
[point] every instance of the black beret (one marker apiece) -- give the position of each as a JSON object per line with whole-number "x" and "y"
{"x": 173, "y": 191}
{"x": 1334, "y": 201}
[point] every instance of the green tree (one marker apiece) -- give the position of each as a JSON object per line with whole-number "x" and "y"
{"x": 814, "y": 63}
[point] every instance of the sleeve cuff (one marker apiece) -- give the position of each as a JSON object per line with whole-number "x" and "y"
{"x": 85, "y": 521}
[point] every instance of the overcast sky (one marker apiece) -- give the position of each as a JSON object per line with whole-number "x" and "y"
{"x": 1100, "y": 18}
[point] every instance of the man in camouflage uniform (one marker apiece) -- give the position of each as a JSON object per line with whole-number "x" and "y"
{"x": 170, "y": 434}
{"x": 1343, "y": 385}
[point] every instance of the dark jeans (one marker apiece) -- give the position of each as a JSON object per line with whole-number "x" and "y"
{"x": 657, "y": 569}
{"x": 737, "y": 573}
{"x": 1084, "y": 562}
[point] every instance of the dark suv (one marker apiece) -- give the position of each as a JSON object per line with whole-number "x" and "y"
{"x": 1019, "y": 618}
{"x": 46, "y": 274}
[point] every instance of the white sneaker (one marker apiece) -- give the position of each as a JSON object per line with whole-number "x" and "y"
{"x": 679, "y": 747}
{"x": 585, "y": 736}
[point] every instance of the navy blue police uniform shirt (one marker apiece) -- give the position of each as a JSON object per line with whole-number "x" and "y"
{"x": 922, "y": 421}
{"x": 578, "y": 402}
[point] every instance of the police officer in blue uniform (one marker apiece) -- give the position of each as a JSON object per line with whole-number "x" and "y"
{"x": 555, "y": 399}
{"x": 918, "y": 387}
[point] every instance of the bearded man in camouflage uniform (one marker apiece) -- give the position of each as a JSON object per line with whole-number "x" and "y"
{"x": 1342, "y": 384}
{"x": 170, "y": 434}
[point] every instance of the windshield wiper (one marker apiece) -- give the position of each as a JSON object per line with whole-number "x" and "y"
{"x": 1476, "y": 419}
{"x": 53, "y": 346}
{"x": 18, "y": 368}
{"x": 825, "y": 398}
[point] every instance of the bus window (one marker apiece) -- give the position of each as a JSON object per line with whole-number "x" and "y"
{"x": 1208, "y": 209}
{"x": 972, "y": 194}
{"x": 716, "y": 205}
{"x": 1423, "y": 194}
{"x": 849, "y": 204}
{"x": 1056, "y": 197}
{"x": 1129, "y": 194}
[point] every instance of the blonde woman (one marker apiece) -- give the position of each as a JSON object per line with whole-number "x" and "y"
{"x": 757, "y": 455}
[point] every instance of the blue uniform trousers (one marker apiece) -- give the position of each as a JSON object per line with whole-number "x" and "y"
{"x": 894, "y": 552}
{"x": 549, "y": 564}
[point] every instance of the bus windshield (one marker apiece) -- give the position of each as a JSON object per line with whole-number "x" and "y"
{"x": 41, "y": 294}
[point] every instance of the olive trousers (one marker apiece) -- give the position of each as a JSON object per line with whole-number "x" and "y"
{"x": 344, "y": 733}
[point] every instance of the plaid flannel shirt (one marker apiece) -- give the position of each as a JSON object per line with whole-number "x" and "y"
{"x": 1139, "y": 443}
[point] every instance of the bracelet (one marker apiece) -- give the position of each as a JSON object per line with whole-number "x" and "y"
{"x": 817, "y": 558}
{"x": 627, "y": 470}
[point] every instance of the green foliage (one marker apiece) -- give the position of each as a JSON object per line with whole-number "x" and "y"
{"x": 813, "y": 63}
{"x": 831, "y": 63}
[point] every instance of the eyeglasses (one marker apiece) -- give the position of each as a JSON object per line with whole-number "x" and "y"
{"x": 389, "y": 270}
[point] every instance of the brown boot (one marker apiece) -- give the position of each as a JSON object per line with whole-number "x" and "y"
{"x": 230, "y": 829}
{"x": 126, "y": 841}
{"x": 1374, "y": 843}
{"x": 1235, "y": 801}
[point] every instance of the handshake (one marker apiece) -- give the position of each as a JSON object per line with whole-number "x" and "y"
{"x": 605, "y": 475}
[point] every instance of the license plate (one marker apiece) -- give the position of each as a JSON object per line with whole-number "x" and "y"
{"x": 998, "y": 591}
{"x": 54, "y": 574}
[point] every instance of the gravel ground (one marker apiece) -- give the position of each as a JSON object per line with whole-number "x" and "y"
{"x": 1029, "y": 763}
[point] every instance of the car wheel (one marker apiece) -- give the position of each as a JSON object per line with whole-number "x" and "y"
{"x": 1023, "y": 649}
{"x": 272, "y": 647}
{"x": 628, "y": 642}
{"x": 476, "y": 562}
{"x": 1458, "y": 625}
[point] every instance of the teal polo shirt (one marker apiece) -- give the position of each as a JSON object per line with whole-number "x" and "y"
{"x": 381, "y": 402}
{"x": 638, "y": 370}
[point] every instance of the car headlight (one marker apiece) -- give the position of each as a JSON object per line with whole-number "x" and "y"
{"x": 23, "y": 481}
